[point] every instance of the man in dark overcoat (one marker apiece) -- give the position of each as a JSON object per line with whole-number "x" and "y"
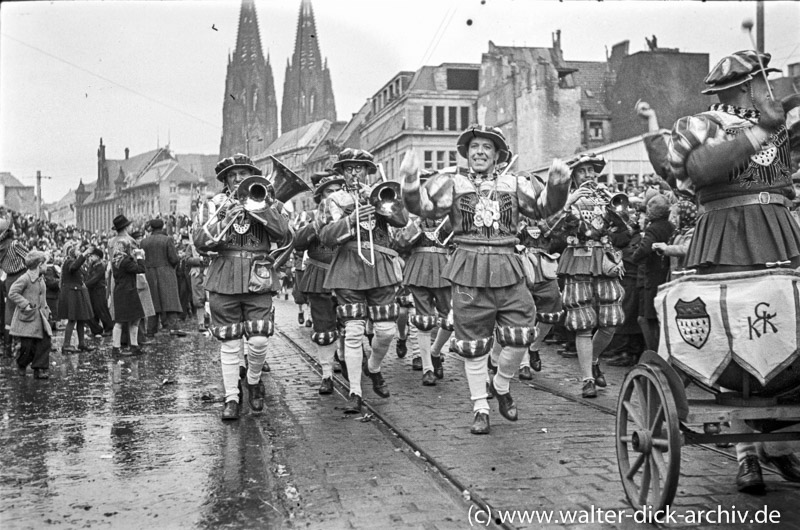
{"x": 161, "y": 258}
{"x": 96, "y": 283}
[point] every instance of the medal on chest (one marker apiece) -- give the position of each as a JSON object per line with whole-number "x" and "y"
{"x": 487, "y": 213}
{"x": 242, "y": 226}
{"x": 535, "y": 232}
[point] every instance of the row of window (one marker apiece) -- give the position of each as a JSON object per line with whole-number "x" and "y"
{"x": 452, "y": 123}
{"x": 440, "y": 159}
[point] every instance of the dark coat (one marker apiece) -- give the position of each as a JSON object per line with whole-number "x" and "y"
{"x": 73, "y": 299}
{"x": 161, "y": 258}
{"x": 27, "y": 293}
{"x": 127, "y": 306}
{"x": 656, "y": 265}
{"x": 52, "y": 279}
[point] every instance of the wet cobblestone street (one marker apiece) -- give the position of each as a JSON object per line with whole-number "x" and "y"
{"x": 137, "y": 443}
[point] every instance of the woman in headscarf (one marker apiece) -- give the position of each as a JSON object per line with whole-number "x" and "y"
{"x": 74, "y": 303}
{"x": 126, "y": 263}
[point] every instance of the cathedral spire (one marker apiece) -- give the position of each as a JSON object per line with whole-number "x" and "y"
{"x": 250, "y": 108}
{"x": 307, "y": 89}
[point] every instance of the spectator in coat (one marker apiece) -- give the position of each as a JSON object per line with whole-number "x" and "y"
{"x": 52, "y": 279}
{"x": 74, "y": 304}
{"x": 101, "y": 324}
{"x": 658, "y": 230}
{"x": 126, "y": 264}
{"x": 12, "y": 256}
{"x": 30, "y": 321}
{"x": 161, "y": 258}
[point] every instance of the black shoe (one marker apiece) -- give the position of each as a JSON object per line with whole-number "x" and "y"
{"x": 589, "y": 390}
{"x": 401, "y": 348}
{"x": 787, "y": 465}
{"x": 255, "y": 396}
{"x": 326, "y": 386}
{"x": 428, "y": 379}
{"x": 480, "y": 424}
{"x": 525, "y": 373}
{"x": 301, "y": 318}
{"x": 40, "y": 373}
{"x": 231, "y": 411}
{"x": 416, "y": 364}
{"x": 536, "y": 361}
{"x": 599, "y": 378}
{"x": 116, "y": 351}
{"x": 286, "y": 297}
{"x": 136, "y": 350}
{"x": 749, "y": 479}
{"x": 504, "y": 402}
{"x": 309, "y": 323}
{"x": 242, "y": 373}
{"x": 177, "y": 333}
{"x": 265, "y": 367}
{"x": 438, "y": 369}
{"x": 378, "y": 384}
{"x": 21, "y": 370}
{"x": 492, "y": 367}
{"x": 84, "y": 347}
{"x": 353, "y": 405}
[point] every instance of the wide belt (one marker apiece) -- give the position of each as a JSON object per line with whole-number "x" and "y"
{"x": 320, "y": 264}
{"x": 432, "y": 250}
{"x": 243, "y": 254}
{"x": 365, "y": 245}
{"x": 487, "y": 249}
{"x": 747, "y": 200}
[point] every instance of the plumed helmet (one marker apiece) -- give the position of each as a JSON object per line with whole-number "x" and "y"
{"x": 495, "y": 134}
{"x": 735, "y": 69}
{"x": 237, "y": 160}
{"x": 355, "y": 156}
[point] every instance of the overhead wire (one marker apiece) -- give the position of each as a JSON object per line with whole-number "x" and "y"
{"x": 104, "y": 78}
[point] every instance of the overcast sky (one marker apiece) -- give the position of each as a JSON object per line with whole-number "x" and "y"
{"x": 139, "y": 74}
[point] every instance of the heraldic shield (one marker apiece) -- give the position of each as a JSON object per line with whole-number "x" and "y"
{"x": 693, "y": 321}
{"x": 751, "y": 319}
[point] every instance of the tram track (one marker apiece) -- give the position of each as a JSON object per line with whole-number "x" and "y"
{"x": 459, "y": 488}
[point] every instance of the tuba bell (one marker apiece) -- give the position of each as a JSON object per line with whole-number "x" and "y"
{"x": 285, "y": 181}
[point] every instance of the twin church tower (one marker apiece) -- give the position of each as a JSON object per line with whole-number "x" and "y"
{"x": 250, "y": 110}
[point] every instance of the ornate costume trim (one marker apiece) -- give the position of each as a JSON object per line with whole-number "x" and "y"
{"x": 446, "y": 323}
{"x": 747, "y": 114}
{"x": 352, "y": 311}
{"x": 229, "y": 332}
{"x": 383, "y": 313}
{"x": 550, "y": 318}
{"x": 324, "y": 338}
{"x": 515, "y": 336}
{"x": 424, "y": 322}
{"x": 474, "y": 348}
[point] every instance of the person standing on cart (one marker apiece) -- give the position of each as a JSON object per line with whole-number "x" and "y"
{"x": 736, "y": 157}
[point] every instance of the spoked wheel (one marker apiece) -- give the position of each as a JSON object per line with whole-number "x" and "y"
{"x": 648, "y": 438}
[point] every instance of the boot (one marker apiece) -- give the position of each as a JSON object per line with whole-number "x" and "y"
{"x": 438, "y": 370}
{"x": 536, "y": 361}
{"x": 599, "y": 378}
{"x": 401, "y": 348}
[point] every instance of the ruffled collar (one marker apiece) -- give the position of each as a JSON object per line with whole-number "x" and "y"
{"x": 746, "y": 114}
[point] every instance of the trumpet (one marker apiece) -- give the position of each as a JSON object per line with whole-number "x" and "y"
{"x": 615, "y": 203}
{"x": 256, "y": 193}
{"x": 385, "y": 197}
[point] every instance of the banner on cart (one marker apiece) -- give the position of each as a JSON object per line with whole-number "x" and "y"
{"x": 752, "y": 318}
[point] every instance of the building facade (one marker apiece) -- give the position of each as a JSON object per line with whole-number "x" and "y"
{"x": 307, "y": 90}
{"x": 250, "y": 108}
{"x": 14, "y": 195}
{"x": 424, "y": 111}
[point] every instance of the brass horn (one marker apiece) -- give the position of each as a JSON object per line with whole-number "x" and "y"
{"x": 286, "y": 182}
{"x": 255, "y": 193}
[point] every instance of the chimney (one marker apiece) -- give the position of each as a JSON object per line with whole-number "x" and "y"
{"x": 127, "y": 153}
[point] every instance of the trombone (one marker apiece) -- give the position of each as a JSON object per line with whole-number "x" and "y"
{"x": 385, "y": 197}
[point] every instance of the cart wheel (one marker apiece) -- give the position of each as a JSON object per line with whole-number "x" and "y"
{"x": 648, "y": 438}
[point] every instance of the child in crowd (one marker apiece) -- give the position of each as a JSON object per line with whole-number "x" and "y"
{"x": 30, "y": 323}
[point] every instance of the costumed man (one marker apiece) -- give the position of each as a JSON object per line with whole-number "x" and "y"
{"x": 320, "y": 300}
{"x": 423, "y": 240}
{"x": 240, "y": 279}
{"x": 489, "y": 295}
{"x": 365, "y": 289}
{"x": 592, "y": 266}
{"x": 736, "y": 157}
{"x": 535, "y": 237}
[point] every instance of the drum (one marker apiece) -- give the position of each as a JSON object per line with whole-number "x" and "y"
{"x": 734, "y": 331}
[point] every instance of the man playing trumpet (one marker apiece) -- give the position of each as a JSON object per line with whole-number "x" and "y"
{"x": 364, "y": 273}
{"x": 239, "y": 279}
{"x": 489, "y": 295}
